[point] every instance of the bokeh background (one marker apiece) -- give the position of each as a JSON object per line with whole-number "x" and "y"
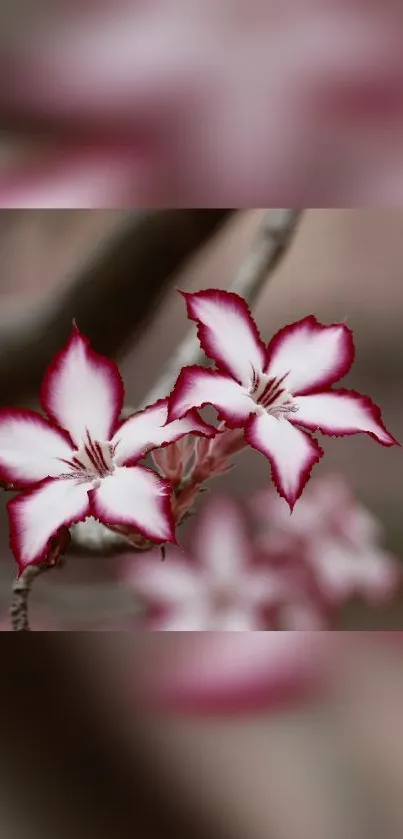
{"x": 343, "y": 265}
{"x": 80, "y": 756}
{"x": 202, "y": 103}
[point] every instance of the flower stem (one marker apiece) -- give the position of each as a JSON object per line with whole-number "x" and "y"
{"x": 23, "y": 584}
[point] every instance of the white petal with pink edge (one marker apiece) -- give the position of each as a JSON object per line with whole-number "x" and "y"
{"x": 138, "y": 498}
{"x": 82, "y": 391}
{"x": 147, "y": 430}
{"x": 292, "y": 453}
{"x": 341, "y": 412}
{"x": 227, "y": 332}
{"x": 221, "y": 543}
{"x": 197, "y": 387}
{"x": 312, "y": 355}
{"x": 36, "y": 515}
{"x": 171, "y": 582}
{"x": 30, "y": 448}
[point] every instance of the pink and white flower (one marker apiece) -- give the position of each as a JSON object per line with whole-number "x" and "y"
{"x": 276, "y": 392}
{"x": 335, "y": 538}
{"x": 80, "y": 460}
{"x": 220, "y": 586}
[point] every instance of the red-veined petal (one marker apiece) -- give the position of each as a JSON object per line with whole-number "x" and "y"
{"x": 312, "y": 355}
{"x": 227, "y": 332}
{"x": 341, "y": 412}
{"x": 36, "y": 515}
{"x": 138, "y": 498}
{"x": 196, "y": 387}
{"x": 291, "y": 452}
{"x": 148, "y": 430}
{"x": 83, "y": 391}
{"x": 31, "y": 449}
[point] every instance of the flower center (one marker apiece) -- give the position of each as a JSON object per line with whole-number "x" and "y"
{"x": 92, "y": 461}
{"x": 269, "y": 393}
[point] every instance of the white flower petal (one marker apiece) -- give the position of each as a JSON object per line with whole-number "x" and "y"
{"x": 138, "y": 498}
{"x": 227, "y": 332}
{"x": 196, "y": 387}
{"x": 341, "y": 412}
{"x": 83, "y": 391}
{"x": 312, "y": 355}
{"x": 147, "y": 430}
{"x": 36, "y": 515}
{"x": 30, "y": 448}
{"x": 292, "y": 453}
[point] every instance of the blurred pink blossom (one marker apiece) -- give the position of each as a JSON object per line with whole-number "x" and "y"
{"x": 214, "y": 673}
{"x": 221, "y": 586}
{"x": 336, "y": 540}
{"x": 248, "y": 102}
{"x": 217, "y": 673}
{"x": 295, "y": 573}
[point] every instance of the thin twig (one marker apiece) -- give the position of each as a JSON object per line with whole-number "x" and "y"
{"x": 23, "y": 584}
{"x": 271, "y": 243}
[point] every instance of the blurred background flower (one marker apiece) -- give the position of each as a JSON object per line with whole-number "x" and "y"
{"x": 220, "y": 587}
{"x": 236, "y": 102}
{"x": 297, "y": 573}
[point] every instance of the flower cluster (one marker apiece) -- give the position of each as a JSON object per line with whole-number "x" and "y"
{"x": 80, "y": 460}
{"x": 275, "y": 572}
{"x": 336, "y": 540}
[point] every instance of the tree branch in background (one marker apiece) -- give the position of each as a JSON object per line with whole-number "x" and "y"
{"x": 111, "y": 297}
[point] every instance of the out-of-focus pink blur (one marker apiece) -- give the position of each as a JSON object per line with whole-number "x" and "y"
{"x": 239, "y": 102}
{"x": 270, "y": 571}
{"x": 329, "y": 767}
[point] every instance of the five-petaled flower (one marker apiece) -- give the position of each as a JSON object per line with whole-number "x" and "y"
{"x": 221, "y": 586}
{"x": 81, "y": 461}
{"x": 277, "y": 391}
